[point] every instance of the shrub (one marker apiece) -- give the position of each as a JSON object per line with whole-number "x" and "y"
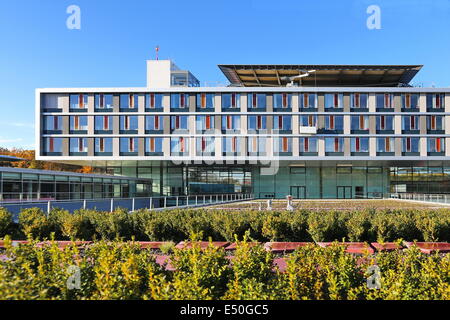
{"x": 6, "y": 222}
{"x": 34, "y": 223}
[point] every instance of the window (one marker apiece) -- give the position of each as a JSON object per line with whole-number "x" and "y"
{"x": 359, "y": 145}
{"x": 298, "y": 170}
{"x": 179, "y": 101}
{"x": 154, "y": 145}
{"x": 154, "y": 123}
{"x": 231, "y": 101}
{"x": 410, "y": 123}
{"x": 153, "y": 101}
{"x": 410, "y": 101}
{"x": 128, "y": 145}
{"x": 52, "y": 123}
{"x": 179, "y": 146}
{"x": 334, "y": 123}
{"x": 205, "y": 146}
{"x": 333, "y": 145}
{"x": 78, "y": 123}
{"x": 128, "y": 101}
{"x": 358, "y": 100}
{"x": 53, "y": 145}
{"x": 308, "y": 100}
{"x": 308, "y": 121}
{"x": 103, "y": 101}
{"x": 231, "y": 123}
{"x": 333, "y": 100}
{"x": 385, "y": 145}
{"x": 436, "y": 145}
{"x": 256, "y": 145}
{"x": 344, "y": 170}
{"x": 204, "y": 123}
{"x": 129, "y": 123}
{"x": 359, "y": 123}
{"x": 385, "y": 123}
{"x": 282, "y": 123}
{"x": 103, "y": 123}
{"x": 179, "y": 122}
{"x": 256, "y": 100}
{"x": 410, "y": 145}
{"x": 282, "y": 100}
{"x": 384, "y": 101}
{"x": 78, "y": 145}
{"x": 435, "y": 101}
{"x": 103, "y": 145}
{"x": 308, "y": 145}
{"x": 435, "y": 123}
{"x": 78, "y": 101}
{"x": 231, "y": 145}
{"x": 284, "y": 145}
{"x": 256, "y": 123}
{"x": 205, "y": 100}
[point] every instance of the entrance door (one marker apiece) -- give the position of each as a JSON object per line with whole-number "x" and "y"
{"x": 298, "y": 192}
{"x": 359, "y": 192}
{"x": 344, "y": 192}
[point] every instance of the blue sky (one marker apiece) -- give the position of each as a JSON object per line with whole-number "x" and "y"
{"x": 116, "y": 38}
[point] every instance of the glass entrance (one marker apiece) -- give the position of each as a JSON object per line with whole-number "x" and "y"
{"x": 344, "y": 192}
{"x": 298, "y": 192}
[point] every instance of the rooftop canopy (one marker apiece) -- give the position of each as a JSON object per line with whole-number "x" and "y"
{"x": 4, "y": 158}
{"x": 320, "y": 75}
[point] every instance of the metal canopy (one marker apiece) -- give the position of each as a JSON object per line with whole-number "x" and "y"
{"x": 324, "y": 75}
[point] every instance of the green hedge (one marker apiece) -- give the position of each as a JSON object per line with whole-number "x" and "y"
{"x": 118, "y": 270}
{"x": 220, "y": 225}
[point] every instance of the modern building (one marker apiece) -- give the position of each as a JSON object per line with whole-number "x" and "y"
{"x": 312, "y": 131}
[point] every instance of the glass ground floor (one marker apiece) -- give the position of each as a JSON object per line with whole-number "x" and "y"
{"x": 309, "y": 181}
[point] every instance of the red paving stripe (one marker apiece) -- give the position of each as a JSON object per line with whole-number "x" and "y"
{"x": 285, "y": 247}
{"x": 203, "y": 244}
{"x": 350, "y": 247}
{"x": 388, "y": 246}
{"x": 430, "y": 247}
{"x": 234, "y": 245}
{"x": 164, "y": 261}
{"x": 280, "y": 264}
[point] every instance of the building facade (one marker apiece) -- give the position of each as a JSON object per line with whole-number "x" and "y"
{"x": 307, "y": 131}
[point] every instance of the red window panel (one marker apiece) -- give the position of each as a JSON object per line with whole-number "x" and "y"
{"x": 433, "y": 122}
{"x": 156, "y": 123}
{"x": 105, "y": 123}
{"x": 438, "y": 145}
{"x": 102, "y": 101}
{"x": 233, "y": 100}
{"x": 55, "y": 123}
{"x": 80, "y": 145}
{"x": 131, "y": 101}
{"x": 387, "y": 101}
{"x": 331, "y": 122}
{"x": 181, "y": 144}
{"x": 208, "y": 123}
{"x": 306, "y": 145}
{"x": 127, "y": 123}
{"x": 177, "y": 122}
{"x": 357, "y": 144}
{"x": 254, "y": 100}
{"x": 408, "y": 144}
{"x": 131, "y": 145}
{"x": 412, "y": 122}
{"x": 285, "y": 100}
{"x": 182, "y": 101}
{"x": 51, "y": 146}
{"x": 382, "y": 122}
{"x": 152, "y": 144}
{"x": 336, "y": 144}
{"x": 280, "y": 123}
{"x": 203, "y": 100}
{"x": 305, "y": 100}
{"x": 76, "y": 121}
{"x": 336, "y": 100}
{"x": 356, "y": 102}
{"x": 259, "y": 118}
{"x": 438, "y": 101}
{"x": 102, "y": 145}
{"x": 408, "y": 101}
{"x": 81, "y": 101}
{"x": 387, "y": 143}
